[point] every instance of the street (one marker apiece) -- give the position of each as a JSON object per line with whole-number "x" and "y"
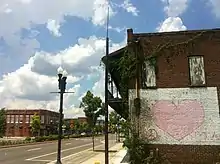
{"x": 46, "y": 152}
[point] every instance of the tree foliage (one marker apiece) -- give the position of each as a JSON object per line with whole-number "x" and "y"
{"x": 76, "y": 126}
{"x": 2, "y": 122}
{"x": 93, "y": 107}
{"x": 35, "y": 124}
{"x": 114, "y": 120}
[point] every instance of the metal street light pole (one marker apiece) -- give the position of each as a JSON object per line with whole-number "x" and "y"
{"x": 62, "y": 87}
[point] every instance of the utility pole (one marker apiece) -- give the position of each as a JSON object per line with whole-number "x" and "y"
{"x": 106, "y": 91}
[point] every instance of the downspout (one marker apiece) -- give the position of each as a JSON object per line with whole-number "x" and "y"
{"x": 130, "y": 41}
{"x": 137, "y": 87}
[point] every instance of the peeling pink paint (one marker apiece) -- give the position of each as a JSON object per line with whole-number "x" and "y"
{"x": 178, "y": 120}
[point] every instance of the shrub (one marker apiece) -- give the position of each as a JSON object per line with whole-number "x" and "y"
{"x": 39, "y": 139}
{"x": 28, "y": 139}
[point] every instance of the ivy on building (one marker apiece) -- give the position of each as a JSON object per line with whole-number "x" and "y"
{"x": 129, "y": 66}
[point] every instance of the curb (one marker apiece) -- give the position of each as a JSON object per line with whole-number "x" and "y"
{"x": 27, "y": 144}
{"x": 35, "y": 143}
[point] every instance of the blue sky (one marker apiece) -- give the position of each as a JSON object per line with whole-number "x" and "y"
{"x": 38, "y": 36}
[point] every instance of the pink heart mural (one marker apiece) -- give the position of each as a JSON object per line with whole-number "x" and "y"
{"x": 178, "y": 120}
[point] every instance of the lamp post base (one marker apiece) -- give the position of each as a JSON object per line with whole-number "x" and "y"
{"x": 58, "y": 162}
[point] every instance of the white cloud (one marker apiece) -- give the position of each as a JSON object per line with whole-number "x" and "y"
{"x": 30, "y": 85}
{"x": 16, "y": 15}
{"x": 77, "y": 59}
{"x": 215, "y": 7}
{"x": 53, "y": 27}
{"x": 117, "y": 29}
{"x": 130, "y": 8}
{"x": 175, "y": 8}
{"x": 172, "y": 24}
{"x": 100, "y": 9}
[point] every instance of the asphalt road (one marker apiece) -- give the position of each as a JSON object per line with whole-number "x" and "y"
{"x": 46, "y": 152}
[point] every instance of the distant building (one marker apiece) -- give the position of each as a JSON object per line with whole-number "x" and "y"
{"x": 100, "y": 122}
{"x": 71, "y": 121}
{"x": 18, "y": 122}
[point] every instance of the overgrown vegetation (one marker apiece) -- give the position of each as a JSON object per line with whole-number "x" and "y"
{"x": 138, "y": 149}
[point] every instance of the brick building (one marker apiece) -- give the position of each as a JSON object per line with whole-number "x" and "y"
{"x": 177, "y": 84}
{"x": 18, "y": 122}
{"x": 71, "y": 121}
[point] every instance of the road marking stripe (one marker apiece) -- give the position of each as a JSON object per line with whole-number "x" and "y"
{"x": 34, "y": 149}
{"x": 30, "y": 159}
{"x": 41, "y": 160}
{"x": 68, "y": 143}
{"x": 53, "y": 162}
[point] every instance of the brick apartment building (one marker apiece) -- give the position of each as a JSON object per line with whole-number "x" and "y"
{"x": 178, "y": 93}
{"x": 71, "y": 121}
{"x": 18, "y": 122}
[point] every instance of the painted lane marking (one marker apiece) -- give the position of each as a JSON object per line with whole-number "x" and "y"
{"x": 68, "y": 143}
{"x": 41, "y": 160}
{"x": 53, "y": 162}
{"x": 30, "y": 159}
{"x": 34, "y": 149}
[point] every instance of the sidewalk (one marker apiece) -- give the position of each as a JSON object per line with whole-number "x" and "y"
{"x": 116, "y": 154}
{"x": 115, "y": 157}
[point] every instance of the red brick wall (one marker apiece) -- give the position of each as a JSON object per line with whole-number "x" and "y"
{"x": 23, "y": 129}
{"x": 189, "y": 154}
{"x": 175, "y": 74}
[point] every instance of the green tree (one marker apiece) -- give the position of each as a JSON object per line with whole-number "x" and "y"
{"x": 98, "y": 129}
{"x": 93, "y": 108}
{"x": 35, "y": 124}
{"x": 114, "y": 122}
{"x": 85, "y": 127}
{"x": 2, "y": 122}
{"x": 76, "y": 126}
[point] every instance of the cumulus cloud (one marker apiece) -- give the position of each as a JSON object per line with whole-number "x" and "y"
{"x": 173, "y": 9}
{"x": 77, "y": 59}
{"x": 30, "y": 85}
{"x": 24, "y": 14}
{"x": 53, "y": 27}
{"x": 172, "y": 24}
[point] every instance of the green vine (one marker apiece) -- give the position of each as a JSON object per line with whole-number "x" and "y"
{"x": 139, "y": 150}
{"x": 136, "y": 53}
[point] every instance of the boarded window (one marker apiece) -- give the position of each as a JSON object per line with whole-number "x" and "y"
{"x": 149, "y": 75}
{"x": 196, "y": 68}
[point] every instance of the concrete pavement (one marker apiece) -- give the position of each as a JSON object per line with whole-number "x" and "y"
{"x": 46, "y": 152}
{"x": 87, "y": 156}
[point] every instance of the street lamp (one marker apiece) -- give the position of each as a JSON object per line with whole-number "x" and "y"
{"x": 62, "y": 76}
